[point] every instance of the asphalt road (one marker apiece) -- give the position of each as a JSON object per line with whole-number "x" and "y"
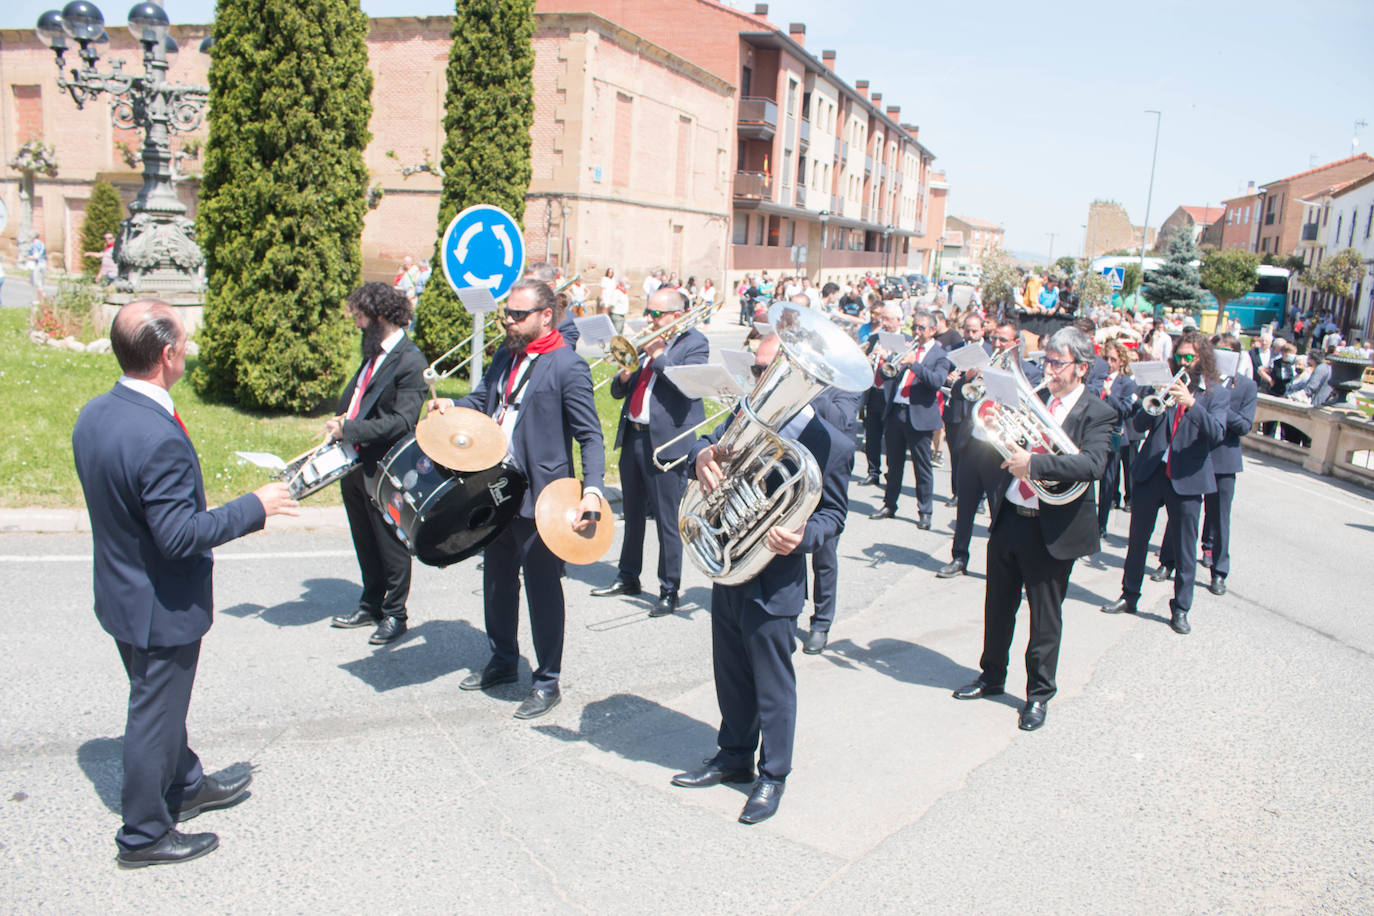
{"x": 1225, "y": 771}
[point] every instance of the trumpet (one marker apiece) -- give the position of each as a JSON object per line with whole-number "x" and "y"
{"x": 1161, "y": 400}
{"x": 891, "y": 366}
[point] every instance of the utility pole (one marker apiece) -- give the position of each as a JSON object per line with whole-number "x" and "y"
{"x": 1149, "y": 195}
{"x": 1051, "y": 254}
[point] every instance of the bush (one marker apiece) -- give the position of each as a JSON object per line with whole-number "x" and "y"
{"x": 70, "y": 313}
{"x": 103, "y": 214}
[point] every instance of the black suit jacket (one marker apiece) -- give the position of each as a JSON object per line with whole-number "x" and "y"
{"x": 1240, "y": 416}
{"x": 1201, "y": 429}
{"x": 957, "y": 407}
{"x": 1097, "y": 375}
{"x": 923, "y": 409}
{"x": 671, "y": 413}
{"x": 150, "y": 528}
{"x": 390, "y": 406}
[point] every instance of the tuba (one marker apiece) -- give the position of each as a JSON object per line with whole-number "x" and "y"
{"x": 1028, "y": 425}
{"x": 769, "y": 480}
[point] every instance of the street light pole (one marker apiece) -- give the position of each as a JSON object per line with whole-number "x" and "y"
{"x": 1145, "y": 229}
{"x": 1050, "y": 262}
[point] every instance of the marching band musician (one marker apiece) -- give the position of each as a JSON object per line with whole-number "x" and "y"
{"x": 655, "y": 413}
{"x": 540, "y": 392}
{"x": 875, "y": 399}
{"x": 752, "y": 623}
{"x": 957, "y": 407}
{"x": 1033, "y": 544}
{"x": 378, "y": 409}
{"x": 1118, "y": 390}
{"x": 1174, "y": 470}
{"x": 1226, "y": 464}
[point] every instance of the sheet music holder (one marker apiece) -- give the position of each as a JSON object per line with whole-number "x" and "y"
{"x": 1152, "y": 373}
{"x": 265, "y": 460}
{"x": 969, "y": 356}
{"x": 477, "y": 300}
{"x": 1001, "y": 386}
{"x": 740, "y": 364}
{"x": 1228, "y": 361}
{"x": 595, "y": 329}
{"x": 711, "y": 380}
{"x": 763, "y": 328}
{"x": 892, "y": 343}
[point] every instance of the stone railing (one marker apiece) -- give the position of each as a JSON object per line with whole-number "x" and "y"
{"x": 1336, "y": 434}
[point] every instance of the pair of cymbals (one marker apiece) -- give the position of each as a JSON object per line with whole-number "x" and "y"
{"x": 557, "y": 509}
{"x": 461, "y": 439}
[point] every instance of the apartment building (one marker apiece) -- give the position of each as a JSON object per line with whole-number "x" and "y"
{"x": 978, "y": 236}
{"x": 1241, "y": 219}
{"x": 1196, "y": 220}
{"x": 1281, "y": 213}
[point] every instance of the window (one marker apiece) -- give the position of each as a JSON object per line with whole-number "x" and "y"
{"x": 746, "y": 82}
{"x": 684, "y": 148}
{"x": 1369, "y": 222}
{"x": 28, "y": 113}
{"x": 789, "y": 233}
{"x": 741, "y": 234}
{"x": 791, "y": 97}
{"x": 758, "y": 229}
{"x": 774, "y": 230}
{"x": 806, "y": 106}
{"x": 786, "y": 167}
{"x": 801, "y": 171}
{"x": 1338, "y": 228}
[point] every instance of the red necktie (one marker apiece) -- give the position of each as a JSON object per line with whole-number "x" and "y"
{"x": 176, "y": 416}
{"x": 641, "y": 388}
{"x": 362, "y": 387}
{"x": 1169, "y": 465}
{"x": 911, "y": 376}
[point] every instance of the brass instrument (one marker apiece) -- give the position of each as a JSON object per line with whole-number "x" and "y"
{"x": 678, "y": 438}
{"x": 769, "y": 480}
{"x": 891, "y": 366}
{"x": 1161, "y": 400}
{"x": 974, "y": 389}
{"x": 1029, "y": 426}
{"x": 624, "y": 351}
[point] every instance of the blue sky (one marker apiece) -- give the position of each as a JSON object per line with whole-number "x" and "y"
{"x": 1034, "y": 110}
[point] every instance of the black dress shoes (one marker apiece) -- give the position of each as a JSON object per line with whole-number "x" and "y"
{"x": 885, "y": 512}
{"x": 978, "y": 690}
{"x": 1162, "y": 574}
{"x": 173, "y": 847}
{"x": 540, "y": 701}
{"x": 1218, "y": 586}
{"x": 870, "y": 481}
{"x": 1033, "y": 716}
{"x": 1179, "y": 621}
{"x": 359, "y": 618}
{"x": 618, "y": 587}
{"x": 952, "y": 569}
{"x": 491, "y": 676}
{"x": 815, "y": 642}
{"x": 712, "y": 774}
{"x": 1119, "y": 606}
{"x": 215, "y": 794}
{"x": 667, "y": 604}
{"x": 763, "y": 801}
{"x": 389, "y": 630}
{"x": 923, "y": 522}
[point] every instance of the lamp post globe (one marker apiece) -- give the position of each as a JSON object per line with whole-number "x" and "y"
{"x": 148, "y": 23}
{"x": 49, "y": 31}
{"x": 82, "y": 21}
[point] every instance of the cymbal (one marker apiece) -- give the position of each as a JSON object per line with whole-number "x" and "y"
{"x": 554, "y": 514}
{"x": 461, "y": 439}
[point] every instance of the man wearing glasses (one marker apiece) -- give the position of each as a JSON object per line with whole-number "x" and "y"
{"x": 540, "y": 392}
{"x": 655, "y": 413}
{"x": 912, "y": 414}
{"x": 1032, "y": 545}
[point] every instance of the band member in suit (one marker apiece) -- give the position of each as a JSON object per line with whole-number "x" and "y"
{"x": 1227, "y": 462}
{"x": 152, "y": 536}
{"x": 655, "y": 413}
{"x": 980, "y": 473}
{"x": 1174, "y": 470}
{"x": 875, "y": 399}
{"x": 1033, "y": 544}
{"x": 1118, "y": 390}
{"x": 752, "y": 624}
{"x": 1100, "y": 369}
{"x": 912, "y": 414}
{"x": 956, "y": 412}
{"x": 540, "y": 392}
{"x": 378, "y": 409}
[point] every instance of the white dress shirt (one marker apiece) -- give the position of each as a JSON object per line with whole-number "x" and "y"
{"x": 1059, "y": 411}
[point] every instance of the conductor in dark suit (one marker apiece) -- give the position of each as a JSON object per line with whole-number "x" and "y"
{"x": 379, "y": 408}
{"x": 654, "y": 414}
{"x": 540, "y": 392}
{"x": 152, "y": 537}
{"x": 912, "y": 415}
{"x": 1032, "y": 544}
{"x": 752, "y": 624}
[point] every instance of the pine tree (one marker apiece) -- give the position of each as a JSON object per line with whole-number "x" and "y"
{"x": 103, "y": 214}
{"x": 1176, "y": 284}
{"x": 283, "y": 199}
{"x": 488, "y": 112}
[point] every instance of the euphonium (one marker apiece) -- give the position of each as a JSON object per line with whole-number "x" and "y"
{"x": 769, "y": 480}
{"x": 1030, "y": 426}
{"x": 1160, "y": 399}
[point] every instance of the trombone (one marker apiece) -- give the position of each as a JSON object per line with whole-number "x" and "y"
{"x": 624, "y": 351}
{"x": 1161, "y": 399}
{"x": 658, "y": 463}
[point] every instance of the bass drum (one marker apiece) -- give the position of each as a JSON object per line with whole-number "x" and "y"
{"x": 444, "y": 516}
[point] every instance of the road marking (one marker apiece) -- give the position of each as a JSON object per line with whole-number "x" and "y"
{"x": 1351, "y": 500}
{"x": 275, "y": 555}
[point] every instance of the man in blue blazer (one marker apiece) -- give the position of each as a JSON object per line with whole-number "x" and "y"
{"x": 1174, "y": 470}
{"x": 654, "y": 414}
{"x": 1227, "y": 462}
{"x": 540, "y": 392}
{"x": 152, "y": 536}
{"x": 912, "y": 414}
{"x": 752, "y": 624}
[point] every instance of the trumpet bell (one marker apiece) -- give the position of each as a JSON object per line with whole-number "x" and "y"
{"x": 624, "y": 353}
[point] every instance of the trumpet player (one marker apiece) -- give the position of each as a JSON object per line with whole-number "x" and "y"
{"x": 1174, "y": 470}
{"x": 911, "y": 415}
{"x": 1032, "y": 544}
{"x": 875, "y": 399}
{"x": 655, "y": 413}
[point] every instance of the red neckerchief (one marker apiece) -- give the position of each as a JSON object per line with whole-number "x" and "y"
{"x": 550, "y": 341}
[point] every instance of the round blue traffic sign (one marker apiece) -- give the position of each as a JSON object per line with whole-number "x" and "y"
{"x": 482, "y": 246}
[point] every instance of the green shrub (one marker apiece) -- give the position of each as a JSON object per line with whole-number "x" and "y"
{"x": 103, "y": 214}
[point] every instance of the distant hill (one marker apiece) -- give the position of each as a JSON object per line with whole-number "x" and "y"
{"x": 1028, "y": 257}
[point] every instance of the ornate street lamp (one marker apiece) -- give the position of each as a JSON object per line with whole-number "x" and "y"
{"x": 156, "y": 248}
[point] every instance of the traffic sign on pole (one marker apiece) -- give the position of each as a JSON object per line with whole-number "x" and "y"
{"x": 482, "y": 247}
{"x": 1116, "y": 276}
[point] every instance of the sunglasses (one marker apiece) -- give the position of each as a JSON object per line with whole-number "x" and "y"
{"x": 1185, "y": 357}
{"x": 655, "y": 313}
{"x": 519, "y": 315}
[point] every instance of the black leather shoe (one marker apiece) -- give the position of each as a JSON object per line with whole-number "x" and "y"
{"x": 712, "y": 774}
{"x": 1179, "y": 621}
{"x": 1218, "y": 586}
{"x": 389, "y": 630}
{"x": 540, "y": 701}
{"x": 870, "y": 481}
{"x": 952, "y": 501}
{"x": 618, "y": 587}
{"x": 923, "y": 522}
{"x": 885, "y": 512}
{"x": 952, "y": 569}
{"x": 815, "y": 642}
{"x": 667, "y": 604}
{"x": 215, "y": 794}
{"x": 1162, "y": 574}
{"x": 1102, "y": 532}
{"x": 173, "y": 847}
{"x": 1033, "y": 716}
{"x": 491, "y": 676}
{"x": 1119, "y": 606}
{"x": 763, "y": 801}
{"x": 978, "y": 690}
{"x": 359, "y": 618}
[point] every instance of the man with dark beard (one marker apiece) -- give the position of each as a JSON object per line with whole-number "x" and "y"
{"x": 379, "y": 408}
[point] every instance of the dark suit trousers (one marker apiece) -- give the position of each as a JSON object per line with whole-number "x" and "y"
{"x": 160, "y": 769}
{"x": 756, "y": 686}
{"x": 899, "y": 441}
{"x": 956, "y": 437}
{"x": 969, "y": 489}
{"x": 1017, "y": 559}
{"x": 515, "y": 549}
{"x": 383, "y": 560}
{"x": 1216, "y": 526}
{"x": 1118, "y": 471}
{"x": 825, "y": 573}
{"x": 1183, "y": 512}
{"x": 873, "y": 430}
{"x": 644, "y": 485}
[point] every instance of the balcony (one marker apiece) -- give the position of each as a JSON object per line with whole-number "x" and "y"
{"x": 1309, "y": 232}
{"x": 753, "y": 186}
{"x": 801, "y": 196}
{"x": 805, "y": 138}
{"x": 758, "y": 119}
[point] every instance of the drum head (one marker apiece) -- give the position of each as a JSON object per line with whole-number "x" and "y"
{"x": 466, "y": 516}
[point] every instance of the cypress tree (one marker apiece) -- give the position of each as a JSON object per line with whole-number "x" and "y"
{"x": 283, "y": 199}
{"x": 1176, "y": 284}
{"x": 488, "y": 112}
{"x": 103, "y": 214}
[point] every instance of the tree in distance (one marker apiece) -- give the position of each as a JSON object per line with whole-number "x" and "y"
{"x": 283, "y": 199}
{"x": 1175, "y": 284}
{"x": 1335, "y": 275}
{"x": 1228, "y": 274}
{"x": 1068, "y": 265}
{"x": 999, "y": 278}
{"x": 1130, "y": 280}
{"x": 1094, "y": 289}
{"x": 104, "y": 212}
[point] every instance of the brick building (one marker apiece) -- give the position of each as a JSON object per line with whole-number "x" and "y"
{"x": 978, "y": 237}
{"x": 1197, "y": 220}
{"x": 1241, "y": 219}
{"x": 1110, "y": 229}
{"x": 1281, "y": 201}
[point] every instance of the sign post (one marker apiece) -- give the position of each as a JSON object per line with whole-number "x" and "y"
{"x": 482, "y": 253}
{"x": 1116, "y": 276}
